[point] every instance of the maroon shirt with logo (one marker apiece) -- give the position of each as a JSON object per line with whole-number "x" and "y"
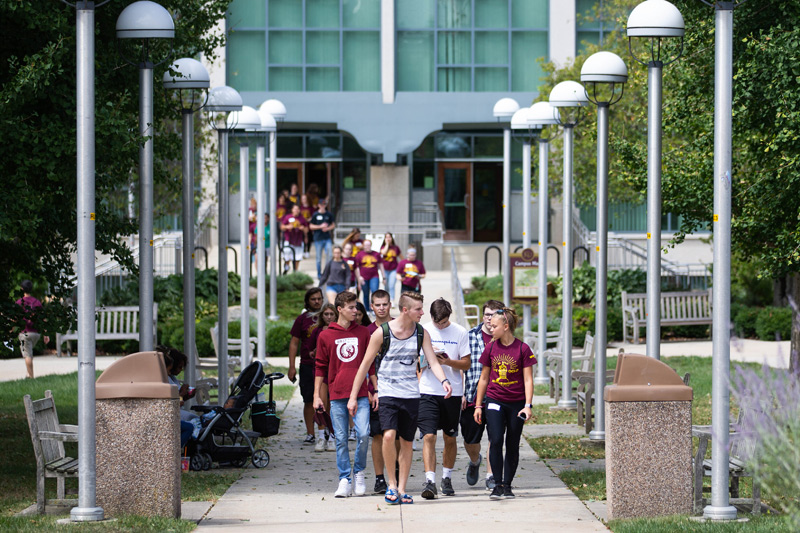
{"x": 409, "y": 271}
{"x": 367, "y": 263}
{"x": 390, "y": 257}
{"x": 506, "y": 383}
{"x": 303, "y": 328}
{"x": 294, "y": 236}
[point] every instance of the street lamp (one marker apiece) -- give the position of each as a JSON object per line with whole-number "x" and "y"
{"x": 277, "y": 111}
{"x": 654, "y": 20}
{"x": 569, "y": 97}
{"x": 222, "y": 102}
{"x": 247, "y": 120}
{"x": 542, "y": 115}
{"x": 190, "y": 78}
{"x": 504, "y": 109}
{"x": 604, "y": 75}
{"x": 145, "y": 20}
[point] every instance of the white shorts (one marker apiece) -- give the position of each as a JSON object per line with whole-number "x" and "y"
{"x": 287, "y": 254}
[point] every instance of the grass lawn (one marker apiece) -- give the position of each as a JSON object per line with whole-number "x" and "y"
{"x": 763, "y": 524}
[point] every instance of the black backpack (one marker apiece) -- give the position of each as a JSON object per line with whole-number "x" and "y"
{"x": 387, "y": 339}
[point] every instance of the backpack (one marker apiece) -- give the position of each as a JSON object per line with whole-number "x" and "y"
{"x": 387, "y": 339}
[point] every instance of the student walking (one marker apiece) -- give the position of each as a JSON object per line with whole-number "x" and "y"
{"x": 398, "y": 388}
{"x": 336, "y": 276}
{"x": 410, "y": 272}
{"x": 369, "y": 267}
{"x": 381, "y": 306}
{"x": 340, "y": 354}
{"x": 301, "y": 332}
{"x": 506, "y": 385}
{"x": 322, "y": 225}
{"x": 29, "y": 335}
{"x": 294, "y": 228}
{"x": 390, "y": 255}
{"x": 324, "y": 317}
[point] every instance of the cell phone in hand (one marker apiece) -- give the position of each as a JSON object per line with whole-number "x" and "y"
{"x": 522, "y": 416}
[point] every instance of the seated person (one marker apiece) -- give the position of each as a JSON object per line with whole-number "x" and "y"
{"x": 175, "y": 361}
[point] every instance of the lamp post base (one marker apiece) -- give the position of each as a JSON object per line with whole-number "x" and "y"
{"x": 539, "y": 380}
{"x": 273, "y": 317}
{"x": 571, "y": 405}
{"x": 597, "y": 435}
{"x": 711, "y": 512}
{"x": 87, "y": 514}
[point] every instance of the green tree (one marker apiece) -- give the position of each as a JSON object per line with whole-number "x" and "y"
{"x": 37, "y": 138}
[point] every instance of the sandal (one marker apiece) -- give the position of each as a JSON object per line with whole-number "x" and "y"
{"x": 391, "y": 493}
{"x": 406, "y": 499}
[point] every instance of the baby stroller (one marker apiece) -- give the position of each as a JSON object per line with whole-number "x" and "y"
{"x": 222, "y": 439}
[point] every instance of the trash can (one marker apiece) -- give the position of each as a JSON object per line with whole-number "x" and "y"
{"x": 648, "y": 440}
{"x": 138, "y": 438}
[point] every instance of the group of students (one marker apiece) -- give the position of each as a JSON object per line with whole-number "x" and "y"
{"x": 394, "y": 378}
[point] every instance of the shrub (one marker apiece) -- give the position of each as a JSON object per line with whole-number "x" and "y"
{"x": 774, "y": 323}
{"x": 744, "y": 321}
{"x": 584, "y": 282}
{"x": 278, "y": 337}
{"x": 289, "y": 282}
{"x": 482, "y": 283}
{"x": 582, "y": 322}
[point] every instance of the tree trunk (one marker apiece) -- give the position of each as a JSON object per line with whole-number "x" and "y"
{"x": 794, "y": 302}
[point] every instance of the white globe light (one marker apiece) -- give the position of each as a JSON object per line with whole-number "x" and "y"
{"x": 224, "y": 99}
{"x": 505, "y": 108}
{"x": 543, "y": 114}
{"x": 275, "y": 108}
{"x": 655, "y": 18}
{"x": 190, "y": 74}
{"x": 245, "y": 120}
{"x": 604, "y": 67}
{"x": 568, "y": 94}
{"x": 145, "y": 20}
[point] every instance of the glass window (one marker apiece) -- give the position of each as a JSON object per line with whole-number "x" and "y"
{"x": 322, "y": 79}
{"x": 491, "y": 13}
{"x": 423, "y": 175}
{"x": 290, "y": 146}
{"x": 415, "y": 61}
{"x": 326, "y": 146}
{"x": 425, "y": 150}
{"x": 285, "y": 79}
{"x": 361, "y": 13}
{"x": 285, "y": 48}
{"x": 415, "y": 14}
{"x": 322, "y": 47}
{"x": 491, "y": 48}
{"x": 454, "y": 13}
{"x": 454, "y": 80}
{"x": 486, "y": 146}
{"x": 246, "y": 66}
{"x": 285, "y": 14}
{"x": 527, "y": 48}
{"x": 351, "y": 148}
{"x": 530, "y": 13}
{"x": 247, "y": 14}
{"x": 455, "y": 48}
{"x": 322, "y": 13}
{"x": 361, "y": 68}
{"x": 491, "y": 79}
{"x": 453, "y": 146}
{"x": 354, "y": 174}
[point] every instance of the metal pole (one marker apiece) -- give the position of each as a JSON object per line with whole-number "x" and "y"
{"x": 187, "y": 198}
{"x": 601, "y": 291}
{"x": 146, "y": 207}
{"x": 526, "y": 224}
{"x": 567, "y": 401}
{"x": 506, "y": 214}
{"x": 654, "y": 74}
{"x": 222, "y": 252}
{"x": 244, "y": 227}
{"x": 720, "y": 508}
{"x": 541, "y": 373}
{"x": 87, "y": 509}
{"x": 261, "y": 253}
{"x": 273, "y": 226}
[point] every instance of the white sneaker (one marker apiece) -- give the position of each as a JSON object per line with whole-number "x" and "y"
{"x": 320, "y": 445}
{"x": 345, "y": 489}
{"x": 331, "y": 445}
{"x": 360, "y": 483}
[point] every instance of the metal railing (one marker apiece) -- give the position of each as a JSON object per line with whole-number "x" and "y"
{"x": 458, "y": 292}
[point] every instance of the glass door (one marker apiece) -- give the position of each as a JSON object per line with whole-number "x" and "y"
{"x": 289, "y": 173}
{"x": 455, "y": 200}
{"x": 488, "y": 192}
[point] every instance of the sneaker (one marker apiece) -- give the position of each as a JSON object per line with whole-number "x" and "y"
{"x": 429, "y": 490}
{"x": 306, "y": 255}
{"x": 507, "y": 494}
{"x": 320, "y": 445}
{"x": 360, "y": 484}
{"x": 345, "y": 489}
{"x": 352, "y": 435}
{"x": 490, "y": 484}
{"x": 447, "y": 487}
{"x": 472, "y": 471}
{"x": 331, "y": 447}
{"x": 497, "y": 492}
{"x": 309, "y": 439}
{"x": 380, "y": 485}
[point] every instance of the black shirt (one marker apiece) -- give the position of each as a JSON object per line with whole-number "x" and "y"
{"x": 318, "y": 219}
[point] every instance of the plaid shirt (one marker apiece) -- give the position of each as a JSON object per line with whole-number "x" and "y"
{"x": 472, "y": 375}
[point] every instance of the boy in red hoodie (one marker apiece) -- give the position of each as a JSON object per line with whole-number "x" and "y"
{"x": 340, "y": 350}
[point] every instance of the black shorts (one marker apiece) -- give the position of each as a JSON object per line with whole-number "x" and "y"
{"x": 438, "y": 412}
{"x": 375, "y": 428}
{"x": 407, "y": 288}
{"x": 471, "y": 430}
{"x": 399, "y": 414}
{"x": 307, "y": 382}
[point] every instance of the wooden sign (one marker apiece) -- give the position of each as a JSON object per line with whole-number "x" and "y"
{"x": 524, "y": 277}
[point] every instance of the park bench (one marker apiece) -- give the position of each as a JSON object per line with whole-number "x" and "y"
{"x": 742, "y": 450}
{"x": 112, "y": 323}
{"x": 555, "y": 364}
{"x": 689, "y": 308}
{"x": 234, "y": 345}
{"x": 48, "y": 437}
{"x": 472, "y": 312}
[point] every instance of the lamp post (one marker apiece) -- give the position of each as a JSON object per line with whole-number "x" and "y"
{"x": 504, "y": 109}
{"x": 604, "y": 75}
{"x": 654, "y": 20}
{"x": 222, "y": 102}
{"x": 145, "y": 20}
{"x": 246, "y": 120}
{"x": 189, "y": 79}
{"x": 542, "y": 115}
{"x": 277, "y": 111}
{"x": 568, "y": 97}
{"x": 720, "y": 508}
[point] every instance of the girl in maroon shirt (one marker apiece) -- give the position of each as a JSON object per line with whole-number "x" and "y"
{"x": 506, "y": 383}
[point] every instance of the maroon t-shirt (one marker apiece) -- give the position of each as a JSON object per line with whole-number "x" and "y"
{"x": 367, "y": 263}
{"x": 390, "y": 257}
{"x": 409, "y": 271}
{"x": 486, "y": 338}
{"x": 294, "y": 236}
{"x": 30, "y": 304}
{"x": 506, "y": 383}
{"x": 303, "y": 328}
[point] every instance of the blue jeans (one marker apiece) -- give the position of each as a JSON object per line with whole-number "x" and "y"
{"x": 186, "y": 433}
{"x": 391, "y": 281}
{"x": 341, "y": 425}
{"x": 327, "y": 245}
{"x": 370, "y": 286}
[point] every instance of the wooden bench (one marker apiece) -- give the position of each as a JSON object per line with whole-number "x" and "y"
{"x": 472, "y": 312}
{"x": 48, "y": 437}
{"x": 112, "y": 323}
{"x": 555, "y": 365}
{"x": 690, "y": 308}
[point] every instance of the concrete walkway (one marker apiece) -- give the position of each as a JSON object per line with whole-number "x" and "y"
{"x": 295, "y": 494}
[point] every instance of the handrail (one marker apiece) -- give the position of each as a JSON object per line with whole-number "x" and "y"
{"x": 458, "y": 291}
{"x": 486, "y": 260}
